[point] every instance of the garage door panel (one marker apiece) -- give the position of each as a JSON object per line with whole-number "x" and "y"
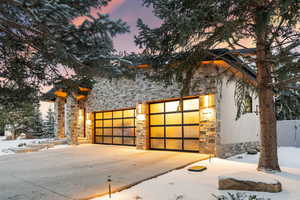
{"x": 115, "y": 127}
{"x": 175, "y": 125}
{"x": 117, "y": 122}
{"x": 117, "y": 140}
{"x": 128, "y": 122}
{"x": 191, "y": 145}
{"x": 157, "y": 143}
{"x": 129, "y": 131}
{"x": 174, "y": 118}
{"x": 157, "y": 131}
{"x": 129, "y": 140}
{"x": 99, "y": 139}
{"x": 157, "y": 119}
{"x": 107, "y": 140}
{"x": 191, "y": 117}
{"x": 117, "y": 131}
{"x": 174, "y": 144}
{"x": 174, "y": 131}
{"x": 191, "y": 131}
{"x": 98, "y": 132}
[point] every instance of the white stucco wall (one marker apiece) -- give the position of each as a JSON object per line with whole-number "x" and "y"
{"x": 246, "y": 128}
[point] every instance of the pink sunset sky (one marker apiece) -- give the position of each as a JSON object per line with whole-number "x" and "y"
{"x": 129, "y": 11}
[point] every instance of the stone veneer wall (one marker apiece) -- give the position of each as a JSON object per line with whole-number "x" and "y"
{"x": 228, "y": 150}
{"x": 125, "y": 93}
{"x": 59, "y": 110}
{"x": 72, "y": 109}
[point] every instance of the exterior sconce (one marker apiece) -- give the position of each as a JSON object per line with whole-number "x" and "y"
{"x": 140, "y": 112}
{"x": 256, "y": 109}
{"x": 80, "y": 114}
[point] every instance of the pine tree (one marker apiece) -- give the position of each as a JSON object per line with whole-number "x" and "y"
{"x": 49, "y": 124}
{"x": 191, "y": 29}
{"x": 38, "y": 41}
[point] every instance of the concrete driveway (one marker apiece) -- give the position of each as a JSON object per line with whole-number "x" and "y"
{"x": 81, "y": 172}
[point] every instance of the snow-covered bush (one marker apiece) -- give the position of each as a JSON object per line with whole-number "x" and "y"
{"x": 238, "y": 196}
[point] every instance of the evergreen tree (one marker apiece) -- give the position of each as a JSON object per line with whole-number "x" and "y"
{"x": 191, "y": 29}
{"x": 38, "y": 41}
{"x": 49, "y": 124}
{"x": 25, "y": 118}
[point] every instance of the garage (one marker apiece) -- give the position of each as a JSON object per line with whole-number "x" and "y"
{"x": 115, "y": 127}
{"x": 174, "y": 125}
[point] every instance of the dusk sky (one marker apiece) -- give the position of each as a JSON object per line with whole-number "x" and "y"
{"x": 129, "y": 11}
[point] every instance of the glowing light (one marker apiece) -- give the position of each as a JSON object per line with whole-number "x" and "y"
{"x": 141, "y": 117}
{"x": 206, "y": 101}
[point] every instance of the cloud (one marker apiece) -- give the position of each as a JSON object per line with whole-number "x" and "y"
{"x": 112, "y": 6}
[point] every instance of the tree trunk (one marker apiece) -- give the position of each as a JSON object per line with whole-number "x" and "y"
{"x": 268, "y": 160}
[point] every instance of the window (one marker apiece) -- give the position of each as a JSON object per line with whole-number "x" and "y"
{"x": 248, "y": 104}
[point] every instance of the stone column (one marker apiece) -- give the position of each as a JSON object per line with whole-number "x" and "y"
{"x": 207, "y": 138}
{"x": 72, "y": 111}
{"x": 59, "y": 108}
{"x": 141, "y": 130}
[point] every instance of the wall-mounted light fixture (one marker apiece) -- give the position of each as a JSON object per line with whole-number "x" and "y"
{"x": 256, "y": 109}
{"x": 140, "y": 112}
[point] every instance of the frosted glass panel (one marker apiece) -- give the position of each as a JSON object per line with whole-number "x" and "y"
{"x": 191, "y": 104}
{"x": 107, "y": 140}
{"x": 118, "y": 123}
{"x": 191, "y": 131}
{"x": 98, "y": 131}
{"x": 157, "y": 144}
{"x": 175, "y": 131}
{"x": 128, "y": 140}
{"x": 107, "y": 123}
{"x": 157, "y": 119}
{"x": 117, "y": 140}
{"x": 191, "y": 145}
{"x": 129, "y": 113}
{"x": 107, "y": 131}
{"x": 174, "y": 144}
{"x": 157, "y": 131}
{"x": 191, "y": 118}
{"x": 128, "y": 122}
{"x": 107, "y": 115}
{"x": 117, "y": 131}
{"x": 98, "y": 116}
{"x": 128, "y": 131}
{"x": 98, "y": 123}
{"x": 98, "y": 140}
{"x": 172, "y": 106}
{"x": 174, "y": 118}
{"x": 117, "y": 114}
{"x": 156, "y": 108}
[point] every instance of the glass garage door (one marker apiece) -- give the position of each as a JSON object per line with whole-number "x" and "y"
{"x": 115, "y": 127}
{"x": 175, "y": 125}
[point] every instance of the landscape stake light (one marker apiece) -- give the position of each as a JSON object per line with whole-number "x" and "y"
{"x": 109, "y": 186}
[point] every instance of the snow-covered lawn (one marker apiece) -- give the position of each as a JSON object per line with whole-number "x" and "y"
{"x": 185, "y": 185}
{"x": 5, "y": 144}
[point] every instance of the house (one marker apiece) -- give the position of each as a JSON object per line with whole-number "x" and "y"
{"x": 149, "y": 115}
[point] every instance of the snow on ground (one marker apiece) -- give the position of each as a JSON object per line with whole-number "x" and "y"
{"x": 5, "y": 144}
{"x": 185, "y": 185}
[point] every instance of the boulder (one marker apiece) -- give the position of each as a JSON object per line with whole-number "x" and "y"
{"x": 251, "y": 151}
{"x": 263, "y": 185}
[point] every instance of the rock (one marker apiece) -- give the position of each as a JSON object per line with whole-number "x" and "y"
{"x": 251, "y": 151}
{"x": 231, "y": 183}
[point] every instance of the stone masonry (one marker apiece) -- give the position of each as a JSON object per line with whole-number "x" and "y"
{"x": 59, "y": 111}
